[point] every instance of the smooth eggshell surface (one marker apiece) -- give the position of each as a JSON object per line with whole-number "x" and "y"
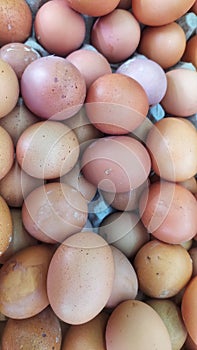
{"x": 80, "y": 277}
{"x": 189, "y": 308}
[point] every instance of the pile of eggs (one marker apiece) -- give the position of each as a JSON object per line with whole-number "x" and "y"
{"x": 98, "y": 165}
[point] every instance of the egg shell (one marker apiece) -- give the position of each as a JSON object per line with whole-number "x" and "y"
{"x": 190, "y": 184}
{"x": 190, "y": 54}
{"x": 52, "y": 87}
{"x": 193, "y": 254}
{"x": 182, "y": 86}
{"x": 41, "y": 331}
{"x": 23, "y": 282}
{"x": 172, "y": 159}
{"x": 87, "y": 336}
{"x": 163, "y": 44}
{"x": 6, "y": 151}
{"x": 9, "y": 88}
{"x": 75, "y": 295}
{"x": 55, "y": 36}
{"x": 47, "y": 149}
{"x": 170, "y": 313}
{"x": 189, "y": 309}
{"x": 116, "y": 163}
{"x": 116, "y": 104}
{"x": 161, "y": 13}
{"x": 162, "y": 269}
{"x": 6, "y": 226}
{"x": 142, "y": 70}
{"x": 91, "y": 64}
{"x": 19, "y": 56}
{"x": 15, "y": 21}
{"x": 125, "y": 231}
{"x": 116, "y": 35}
{"x": 127, "y": 324}
{"x": 54, "y": 211}
{"x": 88, "y": 8}
{"x": 169, "y": 212}
{"x": 125, "y": 284}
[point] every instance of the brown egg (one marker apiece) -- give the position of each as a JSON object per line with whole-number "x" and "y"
{"x": 15, "y": 21}
{"x": 189, "y": 344}
{"x": 80, "y": 277}
{"x": 170, "y": 313}
{"x": 19, "y": 56}
{"x": 190, "y": 54}
{"x": 169, "y": 212}
{"x": 18, "y": 120}
{"x": 193, "y": 254}
{"x": 182, "y": 86}
{"x": 9, "y": 88}
{"x": 20, "y": 237}
{"x": 114, "y": 95}
{"x": 125, "y": 231}
{"x": 134, "y": 323}
{"x": 23, "y": 282}
{"x": 6, "y": 226}
{"x": 173, "y": 159}
{"x": 190, "y": 184}
{"x": 87, "y": 336}
{"x": 41, "y": 331}
{"x": 162, "y": 269}
{"x": 16, "y": 185}
{"x": 124, "y": 4}
{"x": 6, "y": 152}
{"x": 88, "y": 8}
{"x": 47, "y": 149}
{"x": 163, "y": 44}
{"x": 54, "y": 211}
{"x": 55, "y": 36}
{"x": 116, "y": 35}
{"x": 194, "y": 7}
{"x": 189, "y": 309}
{"x": 162, "y": 12}
{"x": 116, "y": 163}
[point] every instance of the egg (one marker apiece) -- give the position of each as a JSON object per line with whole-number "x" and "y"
{"x": 135, "y": 324}
{"x": 116, "y": 35}
{"x": 58, "y": 154}
{"x": 161, "y": 13}
{"x": 52, "y": 87}
{"x": 80, "y": 277}
{"x": 116, "y": 104}
{"x": 189, "y": 309}
{"x": 190, "y": 184}
{"x": 9, "y": 88}
{"x": 6, "y": 226}
{"x": 88, "y": 8}
{"x": 172, "y": 159}
{"x": 41, "y": 331}
{"x": 142, "y": 71}
{"x": 15, "y": 21}
{"x": 194, "y": 7}
{"x": 55, "y": 36}
{"x": 23, "y": 282}
{"x": 190, "y": 54}
{"x": 54, "y": 211}
{"x": 89, "y": 335}
{"x": 168, "y": 211}
{"x": 162, "y": 269}
{"x": 6, "y": 151}
{"x": 163, "y": 44}
{"x": 193, "y": 254}
{"x": 181, "y": 87}
{"x": 116, "y": 163}
{"x": 125, "y": 231}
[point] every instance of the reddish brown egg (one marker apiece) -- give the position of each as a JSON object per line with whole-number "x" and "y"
{"x": 88, "y": 7}
{"x": 15, "y": 21}
{"x": 190, "y": 54}
{"x": 116, "y": 104}
{"x": 163, "y": 44}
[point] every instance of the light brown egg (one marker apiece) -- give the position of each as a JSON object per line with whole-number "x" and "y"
{"x": 41, "y": 331}
{"x": 162, "y": 269}
{"x": 54, "y": 211}
{"x": 163, "y": 44}
{"x": 190, "y": 184}
{"x": 170, "y": 313}
{"x": 6, "y": 226}
{"x": 15, "y": 21}
{"x": 125, "y": 231}
{"x": 80, "y": 277}
{"x": 134, "y": 323}
{"x": 47, "y": 149}
{"x": 193, "y": 254}
{"x": 23, "y": 282}
{"x": 190, "y": 54}
{"x": 88, "y": 8}
{"x": 6, "y": 152}
{"x": 162, "y": 12}
{"x": 182, "y": 86}
{"x": 189, "y": 308}
{"x": 87, "y": 336}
